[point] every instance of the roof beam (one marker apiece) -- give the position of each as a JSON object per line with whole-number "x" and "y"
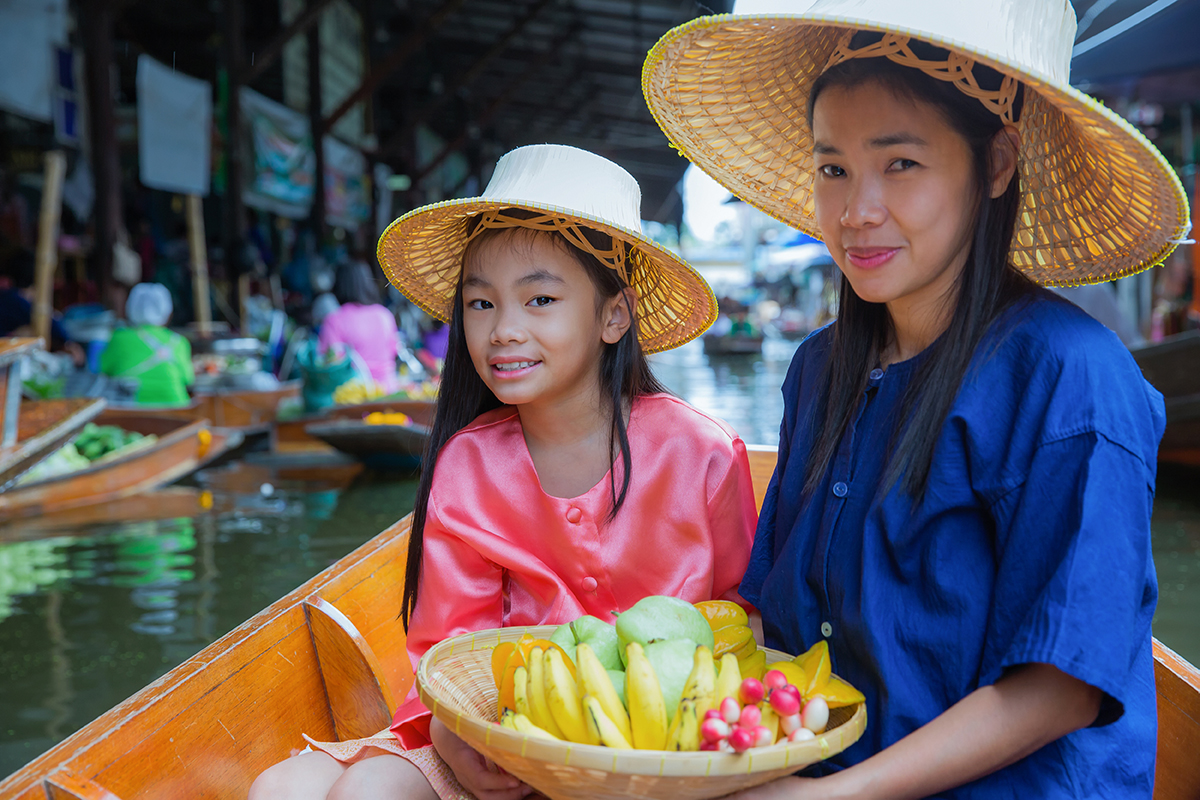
{"x": 264, "y": 58}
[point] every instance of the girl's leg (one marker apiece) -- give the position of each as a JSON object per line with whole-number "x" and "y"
{"x": 382, "y": 776}
{"x": 308, "y": 776}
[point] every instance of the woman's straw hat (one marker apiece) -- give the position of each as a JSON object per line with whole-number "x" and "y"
{"x": 566, "y": 188}
{"x": 1098, "y": 200}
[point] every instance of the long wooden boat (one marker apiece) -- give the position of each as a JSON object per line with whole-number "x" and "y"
{"x": 328, "y": 660}
{"x": 167, "y": 503}
{"x": 1173, "y": 367}
{"x": 292, "y": 435}
{"x": 731, "y": 345}
{"x": 379, "y": 446}
{"x": 180, "y": 447}
{"x": 246, "y": 411}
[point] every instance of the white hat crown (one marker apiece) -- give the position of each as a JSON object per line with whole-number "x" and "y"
{"x": 1035, "y": 34}
{"x": 567, "y": 178}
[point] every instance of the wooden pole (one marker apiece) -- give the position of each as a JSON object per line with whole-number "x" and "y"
{"x": 47, "y": 242}
{"x": 199, "y": 250}
{"x": 315, "y": 101}
{"x": 96, "y": 29}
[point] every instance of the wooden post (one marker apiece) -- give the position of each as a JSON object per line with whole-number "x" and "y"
{"x": 199, "y": 251}
{"x": 47, "y": 242}
{"x": 243, "y": 292}
{"x": 315, "y": 100}
{"x": 96, "y": 29}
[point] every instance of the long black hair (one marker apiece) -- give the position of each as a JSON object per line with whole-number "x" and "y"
{"x": 463, "y": 396}
{"x": 987, "y": 285}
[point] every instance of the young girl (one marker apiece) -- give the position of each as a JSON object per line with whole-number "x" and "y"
{"x": 961, "y": 506}
{"x": 562, "y": 480}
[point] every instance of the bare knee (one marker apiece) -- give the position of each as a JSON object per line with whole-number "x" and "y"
{"x": 382, "y": 776}
{"x": 308, "y": 776}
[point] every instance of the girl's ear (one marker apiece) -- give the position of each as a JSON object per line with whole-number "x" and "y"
{"x": 617, "y": 318}
{"x": 1006, "y": 146}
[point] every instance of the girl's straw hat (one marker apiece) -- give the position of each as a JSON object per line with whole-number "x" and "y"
{"x": 422, "y": 251}
{"x": 1098, "y": 200}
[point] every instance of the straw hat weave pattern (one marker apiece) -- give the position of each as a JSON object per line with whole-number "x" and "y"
{"x": 1098, "y": 200}
{"x": 566, "y": 188}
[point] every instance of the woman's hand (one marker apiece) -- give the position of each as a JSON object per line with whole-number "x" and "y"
{"x": 477, "y": 774}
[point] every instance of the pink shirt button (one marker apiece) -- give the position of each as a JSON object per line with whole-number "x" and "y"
{"x": 574, "y": 515}
{"x": 589, "y": 584}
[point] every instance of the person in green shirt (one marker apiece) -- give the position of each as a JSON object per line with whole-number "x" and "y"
{"x": 158, "y": 359}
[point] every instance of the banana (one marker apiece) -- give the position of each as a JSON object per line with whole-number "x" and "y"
{"x": 647, "y": 711}
{"x": 536, "y": 694}
{"x": 730, "y": 678}
{"x": 521, "y": 691}
{"x": 594, "y": 681}
{"x": 601, "y": 727}
{"x": 506, "y": 720}
{"x": 698, "y": 697}
{"x": 522, "y": 724}
{"x": 563, "y": 697}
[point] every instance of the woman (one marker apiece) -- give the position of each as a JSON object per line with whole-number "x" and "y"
{"x": 158, "y": 360}
{"x": 961, "y": 507}
{"x": 363, "y": 324}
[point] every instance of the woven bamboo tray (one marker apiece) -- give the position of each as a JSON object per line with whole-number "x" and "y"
{"x": 454, "y": 679}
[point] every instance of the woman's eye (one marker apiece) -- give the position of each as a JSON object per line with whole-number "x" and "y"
{"x": 832, "y": 171}
{"x": 902, "y": 164}
{"x": 542, "y": 300}
{"x": 479, "y": 305}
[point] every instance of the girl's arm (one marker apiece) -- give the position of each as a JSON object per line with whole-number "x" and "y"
{"x": 994, "y": 726}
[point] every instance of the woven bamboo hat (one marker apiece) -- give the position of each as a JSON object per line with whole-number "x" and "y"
{"x": 565, "y": 188}
{"x": 1098, "y": 200}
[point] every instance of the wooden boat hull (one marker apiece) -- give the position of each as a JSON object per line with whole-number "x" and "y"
{"x": 181, "y": 447}
{"x": 1173, "y": 367}
{"x": 381, "y": 446}
{"x": 169, "y": 503}
{"x": 43, "y": 426}
{"x": 292, "y": 436}
{"x": 248, "y": 412}
{"x": 732, "y": 345}
{"x": 211, "y": 725}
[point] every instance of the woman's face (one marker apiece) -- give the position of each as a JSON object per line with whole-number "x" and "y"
{"x": 895, "y": 195}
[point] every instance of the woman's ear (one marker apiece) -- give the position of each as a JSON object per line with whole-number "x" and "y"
{"x": 618, "y": 316}
{"x": 1005, "y": 151}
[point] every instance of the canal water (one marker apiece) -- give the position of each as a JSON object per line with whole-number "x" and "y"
{"x": 90, "y": 615}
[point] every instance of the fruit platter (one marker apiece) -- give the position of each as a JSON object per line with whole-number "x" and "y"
{"x": 674, "y": 701}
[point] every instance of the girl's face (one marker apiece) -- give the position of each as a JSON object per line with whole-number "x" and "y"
{"x": 531, "y": 322}
{"x": 894, "y": 194}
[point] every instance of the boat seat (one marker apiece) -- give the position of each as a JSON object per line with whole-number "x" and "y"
{"x": 66, "y": 785}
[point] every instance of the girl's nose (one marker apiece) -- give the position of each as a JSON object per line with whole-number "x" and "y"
{"x": 864, "y": 205}
{"x": 508, "y": 329}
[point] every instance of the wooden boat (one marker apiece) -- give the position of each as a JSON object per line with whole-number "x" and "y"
{"x": 292, "y": 435}
{"x": 171, "y": 502}
{"x": 32, "y": 430}
{"x": 248, "y": 412}
{"x": 731, "y": 345}
{"x": 1173, "y": 367}
{"x": 181, "y": 446}
{"x": 328, "y": 660}
{"x": 378, "y": 446}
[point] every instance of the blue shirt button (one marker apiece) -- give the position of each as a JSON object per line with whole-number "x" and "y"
{"x": 876, "y": 374}
{"x": 840, "y": 489}
{"x": 826, "y": 630}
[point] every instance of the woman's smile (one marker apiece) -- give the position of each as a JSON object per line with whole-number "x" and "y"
{"x": 870, "y": 257}
{"x": 511, "y": 368}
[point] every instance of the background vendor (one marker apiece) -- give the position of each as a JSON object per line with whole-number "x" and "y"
{"x": 363, "y": 324}
{"x": 159, "y": 360}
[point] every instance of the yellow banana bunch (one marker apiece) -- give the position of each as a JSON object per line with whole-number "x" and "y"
{"x": 699, "y": 695}
{"x": 594, "y": 681}
{"x": 564, "y": 700}
{"x": 516, "y": 721}
{"x": 536, "y": 694}
{"x": 729, "y": 679}
{"x": 521, "y": 692}
{"x": 601, "y": 727}
{"x": 647, "y": 711}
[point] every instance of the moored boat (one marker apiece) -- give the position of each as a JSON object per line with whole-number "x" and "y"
{"x": 292, "y": 435}
{"x": 732, "y": 345}
{"x": 329, "y": 660}
{"x": 1173, "y": 367}
{"x": 247, "y": 411}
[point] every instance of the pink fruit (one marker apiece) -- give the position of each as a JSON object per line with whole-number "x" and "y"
{"x": 774, "y": 679}
{"x": 763, "y": 736}
{"x": 801, "y": 735}
{"x": 714, "y": 730}
{"x": 789, "y": 723}
{"x": 794, "y": 692}
{"x": 751, "y": 692}
{"x": 710, "y": 745}
{"x": 785, "y": 703}
{"x": 815, "y": 715}
{"x": 751, "y": 717}
{"x": 730, "y": 710}
{"x": 741, "y": 740}
{"x": 712, "y": 713}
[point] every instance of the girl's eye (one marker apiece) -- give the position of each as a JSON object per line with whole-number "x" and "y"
{"x": 832, "y": 171}
{"x": 479, "y": 305}
{"x": 542, "y": 300}
{"x": 902, "y": 164}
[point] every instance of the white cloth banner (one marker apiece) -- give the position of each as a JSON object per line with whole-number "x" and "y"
{"x": 174, "y": 129}
{"x": 29, "y": 29}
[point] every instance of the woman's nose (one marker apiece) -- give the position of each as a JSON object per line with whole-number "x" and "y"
{"x": 865, "y": 207}
{"x": 508, "y": 329}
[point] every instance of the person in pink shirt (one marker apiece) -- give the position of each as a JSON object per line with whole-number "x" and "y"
{"x": 561, "y": 479}
{"x": 363, "y": 324}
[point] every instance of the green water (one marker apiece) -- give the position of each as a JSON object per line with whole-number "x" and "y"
{"x": 88, "y": 617}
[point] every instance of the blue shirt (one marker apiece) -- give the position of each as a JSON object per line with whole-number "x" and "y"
{"x": 1031, "y": 544}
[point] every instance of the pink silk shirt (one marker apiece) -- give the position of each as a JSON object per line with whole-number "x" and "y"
{"x": 501, "y": 552}
{"x": 371, "y": 331}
